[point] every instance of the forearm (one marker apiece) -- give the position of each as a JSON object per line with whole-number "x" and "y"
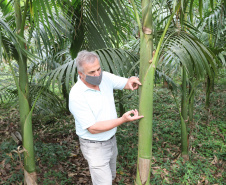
{"x": 103, "y": 126}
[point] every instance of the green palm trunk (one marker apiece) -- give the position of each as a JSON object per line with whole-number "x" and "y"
{"x": 24, "y": 103}
{"x": 191, "y": 104}
{"x": 208, "y": 90}
{"x": 146, "y": 96}
{"x": 184, "y": 94}
{"x": 184, "y": 115}
{"x": 148, "y": 65}
{"x": 184, "y": 109}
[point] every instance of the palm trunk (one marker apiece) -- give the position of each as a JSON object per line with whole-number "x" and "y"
{"x": 64, "y": 89}
{"x": 184, "y": 94}
{"x": 146, "y": 96}
{"x": 209, "y": 81}
{"x": 191, "y": 104}
{"x": 184, "y": 108}
{"x": 121, "y": 108}
{"x": 147, "y": 74}
{"x": 208, "y": 90}
{"x": 24, "y": 103}
{"x": 65, "y": 94}
{"x": 190, "y": 110}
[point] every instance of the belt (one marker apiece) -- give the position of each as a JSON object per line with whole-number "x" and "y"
{"x": 94, "y": 141}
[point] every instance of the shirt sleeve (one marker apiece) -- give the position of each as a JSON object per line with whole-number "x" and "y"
{"x": 81, "y": 111}
{"x": 117, "y": 81}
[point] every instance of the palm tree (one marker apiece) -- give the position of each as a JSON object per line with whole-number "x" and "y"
{"x": 179, "y": 47}
{"x": 21, "y": 18}
{"x": 196, "y": 59}
{"x": 212, "y": 28}
{"x": 148, "y": 65}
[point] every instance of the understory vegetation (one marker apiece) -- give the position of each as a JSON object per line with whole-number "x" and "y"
{"x": 59, "y": 159}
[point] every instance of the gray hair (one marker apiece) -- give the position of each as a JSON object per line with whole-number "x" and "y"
{"x": 85, "y": 57}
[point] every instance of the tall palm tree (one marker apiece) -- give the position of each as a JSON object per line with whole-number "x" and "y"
{"x": 174, "y": 46}
{"x": 212, "y": 31}
{"x": 20, "y": 16}
{"x": 196, "y": 59}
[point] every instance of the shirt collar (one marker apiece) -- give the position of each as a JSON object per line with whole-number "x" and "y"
{"x": 82, "y": 85}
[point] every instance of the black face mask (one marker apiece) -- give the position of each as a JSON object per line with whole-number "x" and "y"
{"x": 94, "y": 80}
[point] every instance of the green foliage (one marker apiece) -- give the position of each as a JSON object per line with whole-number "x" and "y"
{"x": 6, "y": 148}
{"x": 206, "y": 147}
{"x": 16, "y": 177}
{"x": 9, "y": 161}
{"x": 52, "y": 177}
{"x": 51, "y": 154}
{"x": 47, "y": 154}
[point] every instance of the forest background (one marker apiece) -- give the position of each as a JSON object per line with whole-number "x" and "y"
{"x": 185, "y": 45}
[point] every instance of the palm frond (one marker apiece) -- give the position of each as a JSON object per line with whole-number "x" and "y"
{"x": 213, "y": 21}
{"x": 6, "y": 7}
{"x": 8, "y": 91}
{"x": 48, "y": 103}
{"x": 9, "y": 41}
{"x": 100, "y": 24}
{"x": 117, "y": 61}
{"x": 170, "y": 82}
{"x": 41, "y": 10}
{"x": 184, "y": 49}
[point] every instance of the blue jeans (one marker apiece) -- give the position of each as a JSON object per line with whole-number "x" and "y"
{"x": 101, "y": 157}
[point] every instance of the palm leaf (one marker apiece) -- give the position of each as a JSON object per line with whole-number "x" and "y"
{"x": 48, "y": 103}
{"x": 192, "y": 54}
{"x": 117, "y": 61}
{"x": 7, "y": 89}
{"x": 161, "y": 75}
{"x": 213, "y": 21}
{"x": 100, "y": 24}
{"x": 10, "y": 42}
{"x": 6, "y": 7}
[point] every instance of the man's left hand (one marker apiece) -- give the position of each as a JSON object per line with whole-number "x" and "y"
{"x": 132, "y": 83}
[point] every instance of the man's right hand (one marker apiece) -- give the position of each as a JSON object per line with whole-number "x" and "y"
{"x": 102, "y": 126}
{"x": 128, "y": 117}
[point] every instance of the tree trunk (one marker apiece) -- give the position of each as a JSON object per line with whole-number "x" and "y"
{"x": 146, "y": 96}
{"x": 191, "y": 104}
{"x": 208, "y": 90}
{"x": 24, "y": 103}
{"x": 147, "y": 74}
{"x": 65, "y": 94}
{"x": 121, "y": 107}
{"x": 184, "y": 108}
{"x": 184, "y": 94}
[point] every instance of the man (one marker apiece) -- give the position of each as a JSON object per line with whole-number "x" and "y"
{"x": 91, "y": 102}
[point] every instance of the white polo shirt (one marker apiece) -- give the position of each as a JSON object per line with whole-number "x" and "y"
{"x": 89, "y": 106}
